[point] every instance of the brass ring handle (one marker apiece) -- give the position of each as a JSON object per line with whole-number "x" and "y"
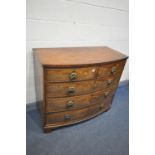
{"x": 70, "y": 104}
{"x": 67, "y": 117}
{"x": 113, "y": 70}
{"x": 71, "y": 90}
{"x": 73, "y": 76}
{"x": 106, "y": 94}
{"x": 101, "y": 106}
{"x": 109, "y": 82}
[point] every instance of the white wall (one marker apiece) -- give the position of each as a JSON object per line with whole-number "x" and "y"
{"x": 62, "y": 23}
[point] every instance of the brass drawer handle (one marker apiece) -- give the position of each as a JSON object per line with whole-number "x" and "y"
{"x": 113, "y": 70}
{"x": 73, "y": 76}
{"x": 70, "y": 104}
{"x": 101, "y": 106}
{"x": 67, "y": 117}
{"x": 71, "y": 90}
{"x": 106, "y": 94}
{"x": 110, "y": 81}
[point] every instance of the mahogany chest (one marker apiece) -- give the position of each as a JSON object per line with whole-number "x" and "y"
{"x": 75, "y": 84}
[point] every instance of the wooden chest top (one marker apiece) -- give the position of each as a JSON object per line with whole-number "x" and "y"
{"x": 77, "y": 56}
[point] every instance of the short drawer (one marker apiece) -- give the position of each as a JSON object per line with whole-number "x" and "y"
{"x": 80, "y": 87}
{"x": 77, "y": 115}
{"x": 70, "y": 74}
{"x": 83, "y": 73}
{"x": 111, "y": 68}
{"x": 75, "y": 102}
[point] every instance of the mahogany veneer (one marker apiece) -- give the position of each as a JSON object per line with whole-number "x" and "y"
{"x": 75, "y": 84}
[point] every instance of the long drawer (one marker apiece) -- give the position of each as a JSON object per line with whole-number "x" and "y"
{"x": 81, "y": 87}
{"x": 83, "y": 73}
{"x": 77, "y": 115}
{"x": 75, "y": 102}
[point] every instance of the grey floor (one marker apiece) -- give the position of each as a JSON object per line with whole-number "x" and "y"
{"x": 107, "y": 134}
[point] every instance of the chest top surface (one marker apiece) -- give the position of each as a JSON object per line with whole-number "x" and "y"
{"x": 77, "y": 56}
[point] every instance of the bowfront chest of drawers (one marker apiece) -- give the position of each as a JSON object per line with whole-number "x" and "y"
{"x": 75, "y": 84}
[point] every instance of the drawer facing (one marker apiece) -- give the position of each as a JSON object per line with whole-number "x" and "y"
{"x": 70, "y": 103}
{"x": 84, "y": 73}
{"x": 76, "y": 115}
{"x": 70, "y": 74}
{"x": 110, "y": 69}
{"x": 80, "y": 87}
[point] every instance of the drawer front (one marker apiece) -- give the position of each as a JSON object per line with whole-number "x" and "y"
{"x": 111, "y": 69}
{"x": 70, "y": 103}
{"x": 77, "y": 115}
{"x": 70, "y": 74}
{"x": 84, "y": 73}
{"x": 79, "y": 88}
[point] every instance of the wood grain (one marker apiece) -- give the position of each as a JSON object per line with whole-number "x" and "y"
{"x": 80, "y": 87}
{"x": 84, "y": 73}
{"x": 77, "y": 56}
{"x": 74, "y": 115}
{"x": 61, "y": 104}
{"x": 63, "y": 100}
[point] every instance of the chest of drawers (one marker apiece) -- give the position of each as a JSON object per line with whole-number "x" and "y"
{"x": 75, "y": 84}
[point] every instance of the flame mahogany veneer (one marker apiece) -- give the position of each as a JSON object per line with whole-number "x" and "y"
{"x": 75, "y": 84}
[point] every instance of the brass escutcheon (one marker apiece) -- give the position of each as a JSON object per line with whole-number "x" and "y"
{"x": 67, "y": 117}
{"x": 113, "y": 70}
{"x": 73, "y": 76}
{"x": 69, "y": 104}
{"x": 109, "y": 81}
{"x": 71, "y": 90}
